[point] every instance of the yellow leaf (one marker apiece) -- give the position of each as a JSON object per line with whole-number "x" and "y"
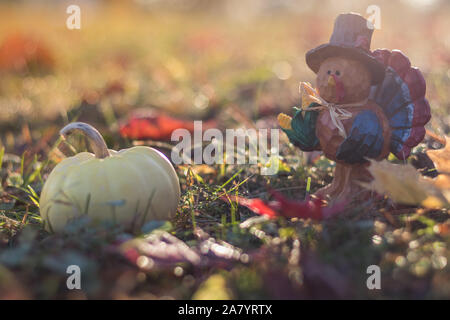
{"x": 404, "y": 184}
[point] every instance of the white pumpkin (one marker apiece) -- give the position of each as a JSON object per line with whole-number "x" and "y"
{"x": 129, "y": 187}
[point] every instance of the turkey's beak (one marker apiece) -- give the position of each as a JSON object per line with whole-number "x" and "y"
{"x": 337, "y": 86}
{"x": 331, "y": 81}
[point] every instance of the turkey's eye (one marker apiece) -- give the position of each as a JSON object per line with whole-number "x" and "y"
{"x": 329, "y": 71}
{"x": 338, "y": 73}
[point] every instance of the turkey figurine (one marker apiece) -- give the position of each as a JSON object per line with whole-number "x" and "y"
{"x": 366, "y": 105}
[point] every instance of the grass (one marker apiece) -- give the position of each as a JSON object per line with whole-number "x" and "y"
{"x": 175, "y": 61}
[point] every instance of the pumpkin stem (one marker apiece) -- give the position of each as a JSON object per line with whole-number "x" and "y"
{"x": 96, "y": 140}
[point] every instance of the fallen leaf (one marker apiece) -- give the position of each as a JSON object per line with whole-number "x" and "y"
{"x": 152, "y": 124}
{"x": 404, "y": 184}
{"x": 441, "y": 159}
{"x": 25, "y": 52}
{"x": 256, "y": 205}
{"x": 312, "y": 208}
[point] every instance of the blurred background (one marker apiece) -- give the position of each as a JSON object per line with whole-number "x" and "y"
{"x": 230, "y": 63}
{"x": 192, "y": 58}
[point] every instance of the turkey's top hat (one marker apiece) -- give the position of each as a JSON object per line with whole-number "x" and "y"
{"x": 351, "y": 38}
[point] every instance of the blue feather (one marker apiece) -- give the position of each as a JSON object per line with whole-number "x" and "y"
{"x": 394, "y": 93}
{"x": 403, "y": 118}
{"x": 365, "y": 139}
{"x": 395, "y": 97}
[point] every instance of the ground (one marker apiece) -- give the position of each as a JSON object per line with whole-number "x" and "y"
{"x": 237, "y": 66}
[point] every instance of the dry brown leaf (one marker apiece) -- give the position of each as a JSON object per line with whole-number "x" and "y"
{"x": 404, "y": 184}
{"x": 441, "y": 159}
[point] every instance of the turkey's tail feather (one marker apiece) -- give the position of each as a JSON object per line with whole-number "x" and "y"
{"x": 402, "y": 97}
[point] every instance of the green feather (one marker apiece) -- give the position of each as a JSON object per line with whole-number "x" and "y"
{"x": 303, "y": 132}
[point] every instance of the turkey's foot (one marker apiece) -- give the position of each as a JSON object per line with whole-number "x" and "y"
{"x": 346, "y": 184}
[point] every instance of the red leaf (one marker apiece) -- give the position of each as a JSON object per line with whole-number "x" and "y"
{"x": 256, "y": 205}
{"x": 19, "y": 51}
{"x": 312, "y": 208}
{"x": 155, "y": 125}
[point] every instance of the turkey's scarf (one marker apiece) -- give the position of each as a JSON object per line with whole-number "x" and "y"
{"x": 337, "y": 111}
